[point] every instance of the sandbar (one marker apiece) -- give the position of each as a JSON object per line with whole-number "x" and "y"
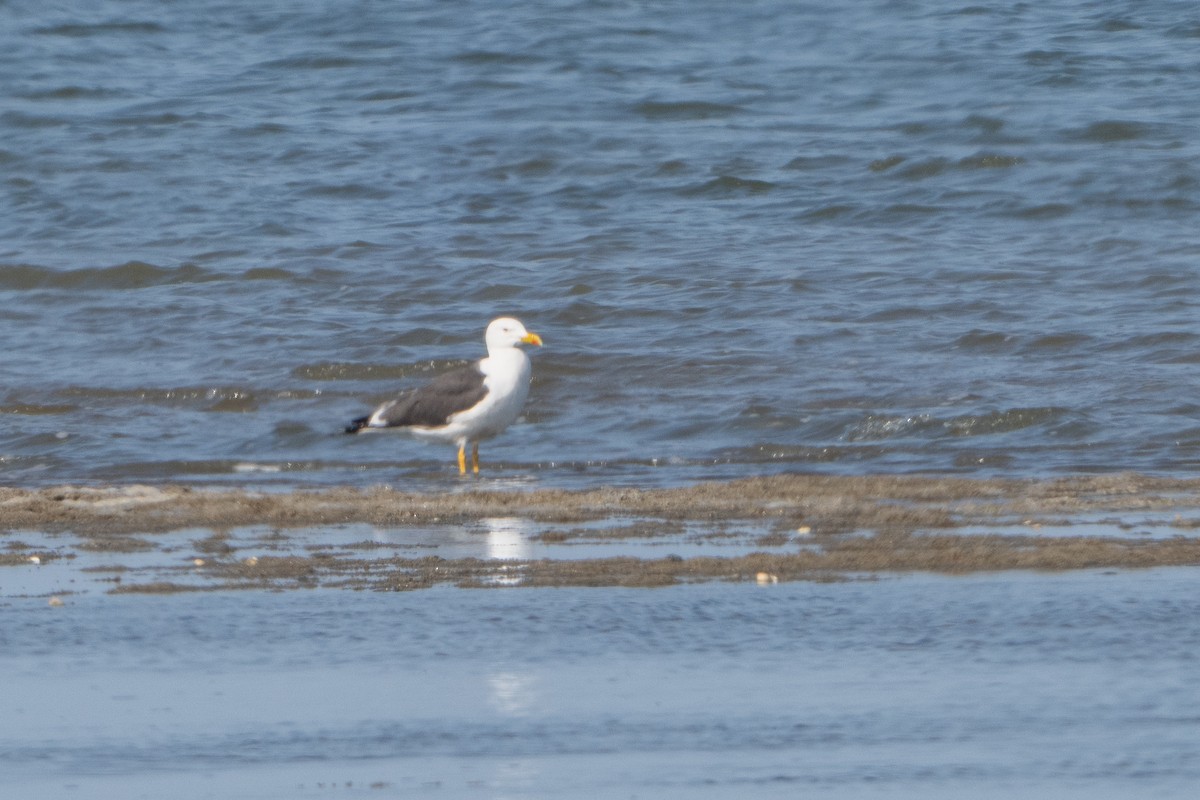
{"x": 785, "y": 527}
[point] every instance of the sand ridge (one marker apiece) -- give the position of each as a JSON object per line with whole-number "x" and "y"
{"x": 808, "y": 527}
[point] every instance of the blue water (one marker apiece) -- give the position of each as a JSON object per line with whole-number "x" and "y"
{"x": 763, "y": 236}
{"x": 879, "y": 236}
{"x": 992, "y": 686}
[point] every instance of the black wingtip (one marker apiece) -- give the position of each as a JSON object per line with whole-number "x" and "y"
{"x": 357, "y": 425}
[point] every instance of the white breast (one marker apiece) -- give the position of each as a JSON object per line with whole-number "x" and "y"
{"x": 506, "y": 375}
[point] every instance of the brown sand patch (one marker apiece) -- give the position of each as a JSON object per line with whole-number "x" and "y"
{"x": 28, "y": 557}
{"x": 655, "y": 529}
{"x": 816, "y": 527}
{"x": 853, "y": 557}
{"x": 116, "y": 543}
{"x": 827, "y": 504}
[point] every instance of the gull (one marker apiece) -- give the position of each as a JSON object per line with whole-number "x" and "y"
{"x": 468, "y": 404}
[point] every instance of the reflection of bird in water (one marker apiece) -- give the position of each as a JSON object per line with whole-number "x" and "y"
{"x": 508, "y": 540}
{"x": 468, "y": 404}
{"x": 513, "y": 692}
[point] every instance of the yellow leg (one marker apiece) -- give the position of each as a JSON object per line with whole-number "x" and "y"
{"x": 475, "y": 457}
{"x": 462, "y": 459}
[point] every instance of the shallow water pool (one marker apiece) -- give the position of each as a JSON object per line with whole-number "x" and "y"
{"x": 1063, "y": 685}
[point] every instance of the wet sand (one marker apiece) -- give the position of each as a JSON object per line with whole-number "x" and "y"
{"x": 794, "y": 527}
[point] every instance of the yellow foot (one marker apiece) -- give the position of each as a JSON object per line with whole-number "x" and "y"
{"x": 462, "y": 459}
{"x": 475, "y": 458}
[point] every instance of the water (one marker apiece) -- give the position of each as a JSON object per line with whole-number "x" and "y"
{"x": 996, "y": 686}
{"x": 756, "y": 237}
{"x": 766, "y": 236}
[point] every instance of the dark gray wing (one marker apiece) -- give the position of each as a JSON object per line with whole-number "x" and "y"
{"x": 433, "y": 404}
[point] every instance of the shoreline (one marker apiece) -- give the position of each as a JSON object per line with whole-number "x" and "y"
{"x": 163, "y": 539}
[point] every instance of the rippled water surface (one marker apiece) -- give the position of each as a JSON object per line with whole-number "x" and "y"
{"x": 879, "y": 236}
{"x": 994, "y": 686}
{"x": 762, "y": 236}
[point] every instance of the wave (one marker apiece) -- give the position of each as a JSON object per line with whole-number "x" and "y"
{"x": 135, "y": 275}
{"x": 209, "y": 398}
{"x": 729, "y": 186}
{"x": 685, "y": 110}
{"x": 37, "y": 409}
{"x": 349, "y": 371}
{"x": 130, "y": 275}
{"x": 82, "y": 30}
{"x": 879, "y": 427}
